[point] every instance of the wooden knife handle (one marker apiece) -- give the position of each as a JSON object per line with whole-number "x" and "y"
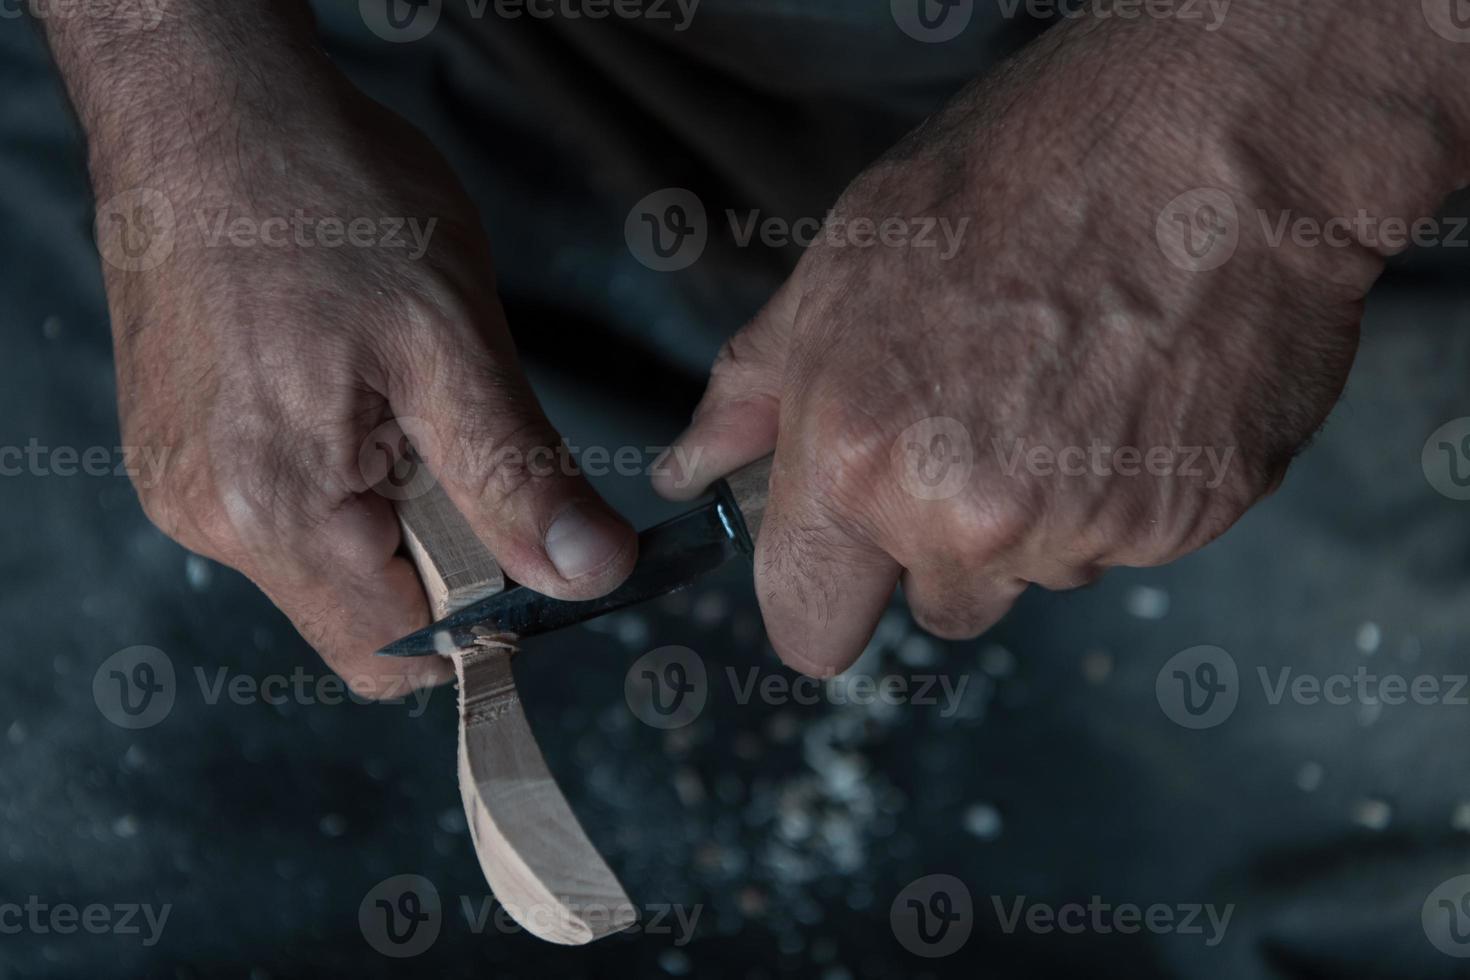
{"x": 750, "y": 486}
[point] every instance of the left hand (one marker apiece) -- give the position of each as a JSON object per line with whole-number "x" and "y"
{"x": 1165, "y": 398}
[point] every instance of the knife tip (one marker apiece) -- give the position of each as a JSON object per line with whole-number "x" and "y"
{"x": 427, "y": 643}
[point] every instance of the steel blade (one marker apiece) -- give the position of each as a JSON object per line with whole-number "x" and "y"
{"x": 671, "y": 555}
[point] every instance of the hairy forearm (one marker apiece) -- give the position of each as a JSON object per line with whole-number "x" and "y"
{"x": 163, "y": 89}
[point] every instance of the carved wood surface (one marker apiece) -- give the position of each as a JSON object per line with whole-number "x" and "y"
{"x": 533, "y": 851}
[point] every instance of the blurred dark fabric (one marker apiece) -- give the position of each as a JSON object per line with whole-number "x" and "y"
{"x": 791, "y": 827}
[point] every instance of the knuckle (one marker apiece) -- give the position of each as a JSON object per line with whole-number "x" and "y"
{"x": 737, "y": 374}
{"x": 442, "y": 341}
{"x": 369, "y": 687}
{"x": 947, "y": 607}
{"x": 185, "y": 506}
{"x": 1213, "y": 519}
{"x": 730, "y": 361}
{"x": 509, "y": 465}
{"x": 981, "y": 530}
{"x": 1061, "y": 577}
{"x": 947, "y": 623}
{"x": 955, "y": 603}
{"x": 847, "y": 450}
{"x": 1217, "y": 510}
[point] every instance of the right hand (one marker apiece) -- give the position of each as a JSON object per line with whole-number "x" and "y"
{"x": 267, "y": 372}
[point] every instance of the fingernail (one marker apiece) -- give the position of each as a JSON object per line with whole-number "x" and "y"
{"x": 578, "y": 542}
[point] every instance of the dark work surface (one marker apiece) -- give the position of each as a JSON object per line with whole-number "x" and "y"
{"x": 789, "y": 829}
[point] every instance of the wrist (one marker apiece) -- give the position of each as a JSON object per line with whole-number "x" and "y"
{"x": 1363, "y": 108}
{"x": 168, "y": 101}
{"x": 1345, "y": 117}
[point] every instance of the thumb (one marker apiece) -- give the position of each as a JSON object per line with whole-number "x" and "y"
{"x": 473, "y": 418}
{"x": 736, "y": 420}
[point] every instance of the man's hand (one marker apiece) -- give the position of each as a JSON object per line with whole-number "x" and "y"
{"x": 1118, "y": 359}
{"x": 290, "y": 267}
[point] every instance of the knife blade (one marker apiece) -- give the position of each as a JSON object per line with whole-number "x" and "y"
{"x": 671, "y": 555}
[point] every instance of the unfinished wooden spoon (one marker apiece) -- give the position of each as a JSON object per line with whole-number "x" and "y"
{"x": 533, "y": 851}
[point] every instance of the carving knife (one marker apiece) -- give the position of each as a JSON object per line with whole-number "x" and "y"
{"x": 671, "y": 556}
